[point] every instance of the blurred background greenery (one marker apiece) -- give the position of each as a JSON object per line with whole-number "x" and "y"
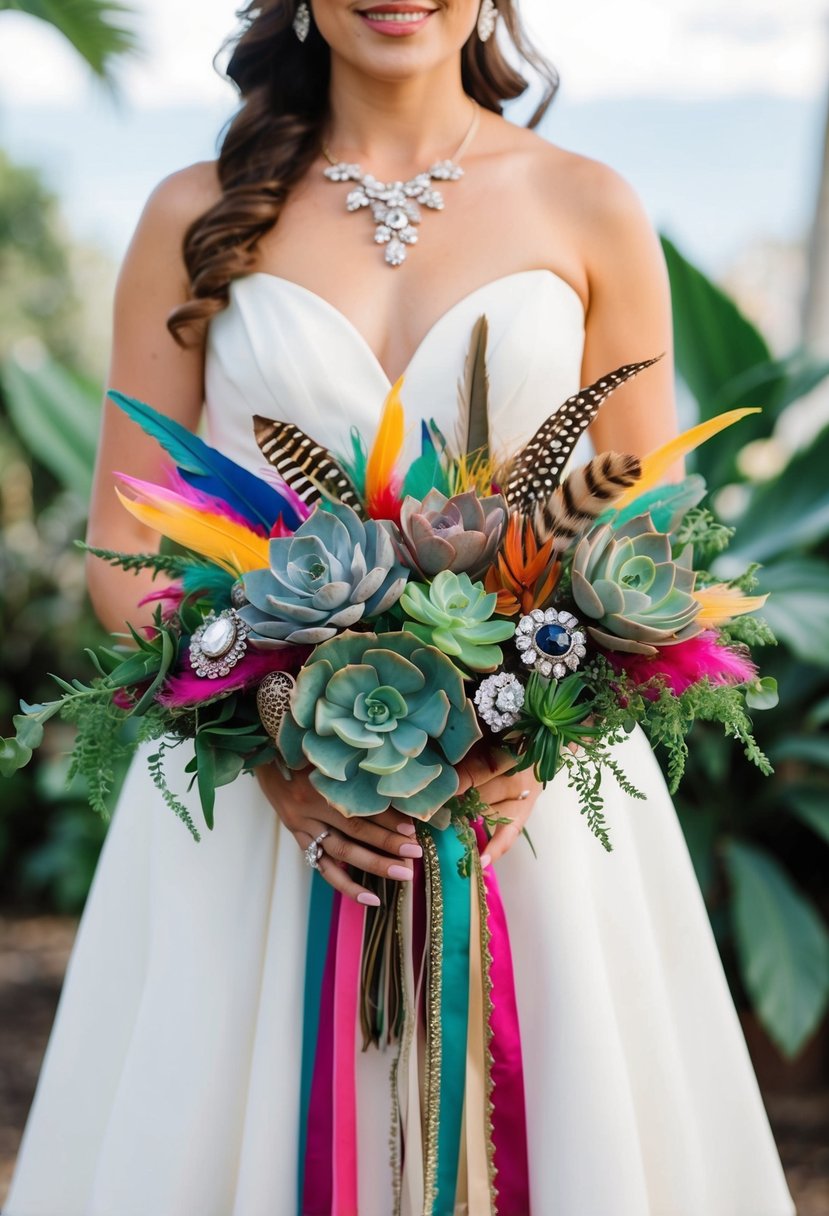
{"x": 759, "y": 846}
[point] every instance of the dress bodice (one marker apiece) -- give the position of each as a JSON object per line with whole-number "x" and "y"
{"x": 281, "y": 350}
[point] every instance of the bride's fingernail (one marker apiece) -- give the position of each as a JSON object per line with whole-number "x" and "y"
{"x": 410, "y": 850}
{"x": 366, "y": 897}
{"x": 486, "y": 860}
{"x": 406, "y": 829}
{"x": 403, "y": 873}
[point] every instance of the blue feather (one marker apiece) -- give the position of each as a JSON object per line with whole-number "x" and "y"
{"x": 208, "y": 470}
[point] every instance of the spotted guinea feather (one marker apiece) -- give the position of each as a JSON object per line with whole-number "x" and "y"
{"x": 536, "y": 470}
{"x": 589, "y": 490}
{"x": 307, "y": 466}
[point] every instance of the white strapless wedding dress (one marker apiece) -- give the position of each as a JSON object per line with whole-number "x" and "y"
{"x": 170, "y": 1085}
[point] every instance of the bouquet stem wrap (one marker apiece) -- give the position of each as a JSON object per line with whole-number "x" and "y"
{"x": 458, "y": 1116}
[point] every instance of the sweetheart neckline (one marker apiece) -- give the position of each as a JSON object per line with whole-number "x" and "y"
{"x": 444, "y": 316}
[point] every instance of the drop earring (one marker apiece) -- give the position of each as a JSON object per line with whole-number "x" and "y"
{"x": 302, "y": 20}
{"x": 487, "y": 17}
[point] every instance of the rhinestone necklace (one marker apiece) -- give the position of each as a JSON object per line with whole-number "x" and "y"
{"x": 396, "y": 206}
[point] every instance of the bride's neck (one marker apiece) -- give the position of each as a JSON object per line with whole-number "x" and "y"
{"x": 392, "y": 126}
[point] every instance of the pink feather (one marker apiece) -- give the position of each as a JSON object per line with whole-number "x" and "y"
{"x": 187, "y": 689}
{"x": 292, "y": 498}
{"x": 686, "y": 663}
{"x": 169, "y": 597}
{"x": 181, "y": 493}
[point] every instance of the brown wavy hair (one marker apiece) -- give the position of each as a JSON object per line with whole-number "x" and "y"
{"x": 276, "y": 134}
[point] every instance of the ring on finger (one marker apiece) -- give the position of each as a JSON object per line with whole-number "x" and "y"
{"x": 315, "y": 850}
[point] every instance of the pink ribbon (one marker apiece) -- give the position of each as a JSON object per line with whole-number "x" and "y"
{"x": 509, "y": 1117}
{"x": 318, "y": 1179}
{"x": 346, "y": 996}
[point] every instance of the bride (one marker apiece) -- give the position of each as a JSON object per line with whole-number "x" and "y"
{"x": 171, "y": 1081}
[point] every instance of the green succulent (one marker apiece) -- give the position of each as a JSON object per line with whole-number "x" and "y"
{"x": 553, "y": 716}
{"x": 382, "y": 719}
{"x": 461, "y": 534}
{"x": 627, "y": 581}
{"x": 453, "y": 613}
{"x": 334, "y": 571}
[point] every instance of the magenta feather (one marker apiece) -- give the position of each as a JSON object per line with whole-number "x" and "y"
{"x": 686, "y": 663}
{"x": 290, "y": 495}
{"x": 186, "y": 689}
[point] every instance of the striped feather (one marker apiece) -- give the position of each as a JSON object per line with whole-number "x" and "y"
{"x": 589, "y": 490}
{"x": 537, "y": 469}
{"x": 473, "y": 394}
{"x": 306, "y": 466}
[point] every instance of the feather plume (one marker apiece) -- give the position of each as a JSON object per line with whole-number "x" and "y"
{"x": 186, "y": 689}
{"x": 685, "y": 663}
{"x": 308, "y": 467}
{"x": 208, "y": 470}
{"x": 536, "y": 470}
{"x": 186, "y": 494}
{"x": 573, "y": 507}
{"x": 230, "y": 545}
{"x": 382, "y": 479}
{"x": 473, "y": 395}
{"x": 720, "y": 603}
{"x": 656, "y": 464}
{"x": 428, "y": 471}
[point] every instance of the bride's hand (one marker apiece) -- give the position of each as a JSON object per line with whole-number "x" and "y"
{"x": 380, "y": 844}
{"x": 511, "y": 798}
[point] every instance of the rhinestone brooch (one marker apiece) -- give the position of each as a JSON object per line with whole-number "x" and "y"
{"x": 500, "y": 698}
{"x": 218, "y": 645}
{"x": 550, "y": 642}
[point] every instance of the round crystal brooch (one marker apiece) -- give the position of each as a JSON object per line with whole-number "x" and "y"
{"x": 550, "y": 642}
{"x": 218, "y": 645}
{"x": 499, "y": 699}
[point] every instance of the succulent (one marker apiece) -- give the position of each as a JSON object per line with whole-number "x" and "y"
{"x": 461, "y": 534}
{"x": 627, "y": 581}
{"x": 453, "y": 614}
{"x": 334, "y": 571}
{"x": 382, "y": 719}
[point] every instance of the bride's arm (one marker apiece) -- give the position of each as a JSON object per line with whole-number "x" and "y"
{"x": 628, "y": 315}
{"x": 148, "y": 364}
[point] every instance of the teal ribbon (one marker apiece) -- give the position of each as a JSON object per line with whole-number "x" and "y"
{"x": 454, "y": 1016}
{"x": 319, "y": 924}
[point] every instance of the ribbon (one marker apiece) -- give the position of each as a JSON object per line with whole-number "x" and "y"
{"x": 509, "y": 1115}
{"x": 454, "y": 1015}
{"x": 476, "y": 1116}
{"x": 316, "y": 1126}
{"x": 346, "y": 995}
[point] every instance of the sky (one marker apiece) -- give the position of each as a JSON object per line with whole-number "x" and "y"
{"x": 713, "y": 109}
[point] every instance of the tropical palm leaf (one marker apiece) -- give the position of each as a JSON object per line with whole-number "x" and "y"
{"x": 99, "y": 30}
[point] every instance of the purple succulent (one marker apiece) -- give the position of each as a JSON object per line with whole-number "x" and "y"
{"x": 461, "y": 534}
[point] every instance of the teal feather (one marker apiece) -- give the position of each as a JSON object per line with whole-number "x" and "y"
{"x": 355, "y": 464}
{"x": 208, "y": 470}
{"x": 666, "y": 504}
{"x": 209, "y": 581}
{"x": 427, "y": 472}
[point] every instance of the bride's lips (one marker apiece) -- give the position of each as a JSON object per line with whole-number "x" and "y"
{"x": 395, "y": 19}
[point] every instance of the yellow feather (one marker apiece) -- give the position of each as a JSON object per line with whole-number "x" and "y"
{"x": 224, "y": 542}
{"x": 656, "y": 464}
{"x": 720, "y": 603}
{"x": 388, "y": 444}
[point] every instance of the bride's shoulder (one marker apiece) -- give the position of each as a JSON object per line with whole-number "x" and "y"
{"x": 185, "y": 194}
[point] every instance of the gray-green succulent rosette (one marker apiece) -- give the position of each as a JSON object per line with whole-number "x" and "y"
{"x": 382, "y": 720}
{"x": 461, "y": 533}
{"x": 334, "y": 571}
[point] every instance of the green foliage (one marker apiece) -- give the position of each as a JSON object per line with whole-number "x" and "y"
{"x": 783, "y": 944}
{"x": 99, "y": 30}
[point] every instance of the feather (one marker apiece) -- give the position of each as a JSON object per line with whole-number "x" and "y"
{"x": 666, "y": 504}
{"x": 536, "y": 470}
{"x": 427, "y": 472}
{"x": 308, "y": 467}
{"x": 355, "y": 464}
{"x": 208, "y": 470}
{"x": 685, "y": 663}
{"x": 231, "y": 546}
{"x": 720, "y": 603}
{"x": 189, "y": 495}
{"x": 382, "y": 479}
{"x": 656, "y": 464}
{"x": 186, "y": 689}
{"x": 573, "y": 506}
{"x": 473, "y": 394}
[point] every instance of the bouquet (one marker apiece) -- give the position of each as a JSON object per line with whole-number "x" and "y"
{"x": 374, "y": 622}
